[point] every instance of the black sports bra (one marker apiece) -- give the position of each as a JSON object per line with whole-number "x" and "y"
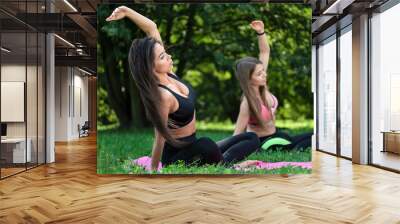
{"x": 185, "y": 112}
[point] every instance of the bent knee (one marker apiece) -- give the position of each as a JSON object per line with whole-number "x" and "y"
{"x": 206, "y": 144}
{"x": 253, "y": 137}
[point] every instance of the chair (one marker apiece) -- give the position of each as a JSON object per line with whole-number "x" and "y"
{"x": 84, "y": 130}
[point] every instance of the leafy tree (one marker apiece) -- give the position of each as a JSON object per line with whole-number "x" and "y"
{"x": 205, "y": 40}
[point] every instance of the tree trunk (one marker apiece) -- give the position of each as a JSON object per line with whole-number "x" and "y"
{"x": 117, "y": 100}
{"x": 138, "y": 114}
{"x": 170, "y": 21}
{"x": 187, "y": 40}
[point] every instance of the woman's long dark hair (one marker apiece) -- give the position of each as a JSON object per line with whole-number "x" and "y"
{"x": 141, "y": 62}
{"x": 243, "y": 72}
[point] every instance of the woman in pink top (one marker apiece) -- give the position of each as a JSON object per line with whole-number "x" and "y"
{"x": 258, "y": 106}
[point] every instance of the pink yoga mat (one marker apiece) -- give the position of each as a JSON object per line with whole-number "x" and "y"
{"x": 145, "y": 162}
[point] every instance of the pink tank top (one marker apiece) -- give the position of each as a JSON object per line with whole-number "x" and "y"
{"x": 266, "y": 114}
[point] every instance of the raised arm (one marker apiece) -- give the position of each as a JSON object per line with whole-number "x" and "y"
{"x": 263, "y": 46}
{"x": 243, "y": 117}
{"x": 144, "y": 23}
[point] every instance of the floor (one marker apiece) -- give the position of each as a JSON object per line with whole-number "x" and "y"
{"x": 388, "y": 159}
{"x": 70, "y": 191}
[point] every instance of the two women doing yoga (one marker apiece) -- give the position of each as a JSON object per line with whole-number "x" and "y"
{"x": 170, "y": 104}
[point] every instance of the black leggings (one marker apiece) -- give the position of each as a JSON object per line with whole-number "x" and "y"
{"x": 279, "y": 134}
{"x": 301, "y": 141}
{"x": 205, "y": 151}
{"x": 238, "y": 147}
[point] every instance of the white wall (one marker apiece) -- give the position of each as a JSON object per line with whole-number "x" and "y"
{"x": 61, "y": 103}
{"x": 71, "y": 94}
{"x": 12, "y": 100}
{"x": 34, "y": 124}
{"x": 12, "y": 73}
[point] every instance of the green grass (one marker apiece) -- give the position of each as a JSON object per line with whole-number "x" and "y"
{"x": 116, "y": 148}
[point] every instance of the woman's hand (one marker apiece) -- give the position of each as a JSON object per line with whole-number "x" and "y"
{"x": 257, "y": 25}
{"x": 118, "y": 13}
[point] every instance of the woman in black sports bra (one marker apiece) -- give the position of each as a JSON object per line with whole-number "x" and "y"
{"x": 170, "y": 104}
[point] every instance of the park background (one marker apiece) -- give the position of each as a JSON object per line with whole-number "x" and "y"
{"x": 204, "y": 40}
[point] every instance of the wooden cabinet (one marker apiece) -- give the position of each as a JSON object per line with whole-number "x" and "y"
{"x": 391, "y": 142}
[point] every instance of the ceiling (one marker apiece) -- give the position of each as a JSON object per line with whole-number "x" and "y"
{"x": 72, "y": 20}
{"x": 330, "y": 15}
